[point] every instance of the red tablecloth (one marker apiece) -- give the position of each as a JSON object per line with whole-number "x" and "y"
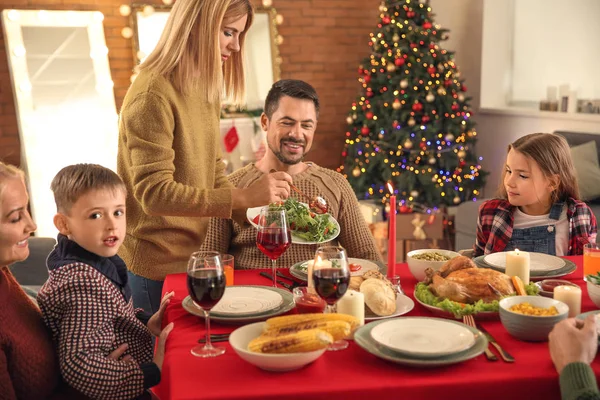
{"x": 352, "y": 373}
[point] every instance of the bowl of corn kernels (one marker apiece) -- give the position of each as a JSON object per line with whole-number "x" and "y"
{"x": 419, "y": 260}
{"x": 531, "y": 318}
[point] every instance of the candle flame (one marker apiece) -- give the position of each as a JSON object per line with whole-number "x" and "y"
{"x": 390, "y": 188}
{"x": 517, "y": 251}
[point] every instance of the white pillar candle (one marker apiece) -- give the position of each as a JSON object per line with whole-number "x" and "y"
{"x": 551, "y": 93}
{"x": 517, "y": 264}
{"x": 312, "y": 265}
{"x": 352, "y": 303}
{"x": 571, "y": 296}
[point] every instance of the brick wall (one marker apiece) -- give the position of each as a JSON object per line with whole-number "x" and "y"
{"x": 324, "y": 42}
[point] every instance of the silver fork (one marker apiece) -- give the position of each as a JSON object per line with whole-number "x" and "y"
{"x": 470, "y": 321}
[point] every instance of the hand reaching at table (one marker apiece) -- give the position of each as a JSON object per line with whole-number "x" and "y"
{"x": 572, "y": 341}
{"x": 159, "y": 355}
{"x": 155, "y": 321}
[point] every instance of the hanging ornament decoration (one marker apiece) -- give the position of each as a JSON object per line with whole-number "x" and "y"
{"x": 396, "y": 104}
{"x": 461, "y": 154}
{"x": 364, "y": 130}
{"x": 385, "y": 20}
{"x": 440, "y": 67}
{"x": 354, "y": 116}
{"x": 463, "y": 88}
{"x": 367, "y": 79}
{"x": 441, "y": 91}
{"x": 417, "y": 107}
{"x": 390, "y": 68}
{"x": 431, "y": 70}
{"x": 411, "y": 121}
{"x": 399, "y": 61}
{"x": 404, "y": 83}
{"x": 447, "y": 82}
{"x": 381, "y": 136}
{"x": 349, "y": 120}
{"x": 461, "y": 97}
{"x": 396, "y": 38}
{"x": 456, "y": 200}
{"x": 356, "y": 172}
{"x": 407, "y": 144}
{"x": 414, "y": 193}
{"x": 455, "y": 107}
{"x": 425, "y": 119}
{"x": 430, "y": 97}
{"x": 369, "y": 115}
{"x": 449, "y": 137}
{"x": 431, "y": 160}
{"x": 381, "y": 7}
{"x": 423, "y": 145}
{"x": 427, "y": 25}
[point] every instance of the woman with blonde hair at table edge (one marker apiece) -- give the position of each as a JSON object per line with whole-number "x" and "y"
{"x": 169, "y": 142}
{"x": 28, "y": 364}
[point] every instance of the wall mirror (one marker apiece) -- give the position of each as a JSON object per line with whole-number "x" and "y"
{"x": 64, "y": 98}
{"x": 262, "y": 52}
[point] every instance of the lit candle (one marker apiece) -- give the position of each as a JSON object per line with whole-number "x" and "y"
{"x": 392, "y": 235}
{"x": 314, "y": 265}
{"x": 571, "y": 296}
{"x": 517, "y": 264}
{"x": 352, "y": 303}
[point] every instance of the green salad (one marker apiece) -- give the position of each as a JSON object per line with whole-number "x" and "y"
{"x": 305, "y": 224}
{"x": 459, "y": 310}
{"x": 595, "y": 279}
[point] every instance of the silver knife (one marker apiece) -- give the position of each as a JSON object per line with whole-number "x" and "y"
{"x": 503, "y": 353}
{"x": 282, "y": 283}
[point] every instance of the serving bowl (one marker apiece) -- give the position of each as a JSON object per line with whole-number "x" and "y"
{"x": 240, "y": 338}
{"x": 547, "y": 286}
{"x": 417, "y": 266}
{"x": 531, "y": 327}
{"x": 594, "y": 292}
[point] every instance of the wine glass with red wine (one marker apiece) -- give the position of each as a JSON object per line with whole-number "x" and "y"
{"x": 331, "y": 277}
{"x": 206, "y": 285}
{"x": 274, "y": 235}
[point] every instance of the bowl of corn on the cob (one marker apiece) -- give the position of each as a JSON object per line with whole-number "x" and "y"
{"x": 295, "y": 350}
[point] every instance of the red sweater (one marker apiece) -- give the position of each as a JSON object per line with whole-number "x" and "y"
{"x": 28, "y": 365}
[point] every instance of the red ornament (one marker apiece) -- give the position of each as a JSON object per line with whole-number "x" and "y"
{"x": 427, "y": 25}
{"x": 417, "y": 107}
{"x": 405, "y": 209}
{"x": 413, "y": 46}
{"x": 367, "y": 79}
{"x": 231, "y": 139}
{"x": 462, "y": 163}
{"x": 399, "y": 61}
{"x": 425, "y": 119}
{"x": 423, "y": 145}
{"x": 455, "y": 106}
{"x": 432, "y": 46}
{"x": 463, "y": 88}
{"x": 385, "y": 20}
{"x": 344, "y": 154}
{"x": 364, "y": 130}
{"x": 410, "y": 14}
{"x": 431, "y": 70}
{"x": 369, "y": 115}
{"x": 369, "y": 92}
{"x": 447, "y": 82}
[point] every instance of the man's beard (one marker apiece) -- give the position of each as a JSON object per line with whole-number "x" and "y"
{"x": 281, "y": 157}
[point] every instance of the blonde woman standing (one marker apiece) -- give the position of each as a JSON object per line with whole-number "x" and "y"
{"x": 169, "y": 142}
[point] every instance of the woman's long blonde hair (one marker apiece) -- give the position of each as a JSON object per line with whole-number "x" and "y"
{"x": 188, "y": 50}
{"x": 552, "y": 154}
{"x": 8, "y": 171}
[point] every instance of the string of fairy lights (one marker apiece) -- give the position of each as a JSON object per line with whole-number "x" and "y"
{"x": 375, "y": 138}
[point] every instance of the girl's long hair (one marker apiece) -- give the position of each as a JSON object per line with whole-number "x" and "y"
{"x": 8, "y": 171}
{"x": 188, "y": 52}
{"x": 552, "y": 154}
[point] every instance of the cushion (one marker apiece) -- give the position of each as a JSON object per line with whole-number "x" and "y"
{"x": 585, "y": 160}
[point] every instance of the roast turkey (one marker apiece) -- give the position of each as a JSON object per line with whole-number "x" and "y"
{"x": 460, "y": 280}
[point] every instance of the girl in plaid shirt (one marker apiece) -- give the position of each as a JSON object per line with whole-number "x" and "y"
{"x": 539, "y": 209}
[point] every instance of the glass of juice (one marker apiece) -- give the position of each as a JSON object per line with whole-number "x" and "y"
{"x": 591, "y": 259}
{"x": 228, "y": 268}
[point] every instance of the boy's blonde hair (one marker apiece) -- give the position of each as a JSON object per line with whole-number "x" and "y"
{"x": 8, "y": 171}
{"x": 188, "y": 51}
{"x": 74, "y": 181}
{"x": 552, "y": 154}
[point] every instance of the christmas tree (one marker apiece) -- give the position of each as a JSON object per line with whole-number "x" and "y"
{"x": 411, "y": 124}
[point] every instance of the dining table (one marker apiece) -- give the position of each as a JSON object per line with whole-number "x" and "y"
{"x": 352, "y": 373}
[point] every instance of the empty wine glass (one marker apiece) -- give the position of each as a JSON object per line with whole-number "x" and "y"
{"x": 274, "y": 236}
{"x": 331, "y": 277}
{"x": 206, "y": 285}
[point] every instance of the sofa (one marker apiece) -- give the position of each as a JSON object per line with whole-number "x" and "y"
{"x": 588, "y": 171}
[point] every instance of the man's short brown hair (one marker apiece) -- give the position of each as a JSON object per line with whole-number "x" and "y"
{"x": 74, "y": 181}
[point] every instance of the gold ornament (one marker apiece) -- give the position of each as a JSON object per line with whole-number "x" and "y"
{"x": 440, "y": 67}
{"x": 396, "y": 105}
{"x": 390, "y": 68}
{"x": 461, "y": 97}
{"x": 431, "y": 160}
{"x": 430, "y": 97}
{"x": 456, "y": 200}
{"x": 441, "y": 91}
{"x": 449, "y": 137}
{"x": 354, "y": 116}
{"x": 382, "y": 8}
{"x": 411, "y": 121}
{"x": 414, "y": 193}
{"x": 349, "y": 120}
{"x": 404, "y": 83}
{"x": 380, "y": 136}
{"x": 461, "y": 154}
{"x": 356, "y": 172}
{"x": 395, "y": 38}
{"x": 408, "y": 144}
{"x": 457, "y": 74}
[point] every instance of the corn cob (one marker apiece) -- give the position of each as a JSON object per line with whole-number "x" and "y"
{"x": 337, "y": 329}
{"x": 302, "y": 341}
{"x": 291, "y": 320}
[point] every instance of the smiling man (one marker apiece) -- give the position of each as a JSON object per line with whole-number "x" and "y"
{"x": 290, "y": 121}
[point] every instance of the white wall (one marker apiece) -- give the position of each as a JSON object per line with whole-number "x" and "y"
{"x": 464, "y": 18}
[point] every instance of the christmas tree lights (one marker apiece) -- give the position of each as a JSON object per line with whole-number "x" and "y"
{"x": 411, "y": 124}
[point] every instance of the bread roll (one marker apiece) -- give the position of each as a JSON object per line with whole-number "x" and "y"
{"x": 379, "y": 297}
{"x": 355, "y": 282}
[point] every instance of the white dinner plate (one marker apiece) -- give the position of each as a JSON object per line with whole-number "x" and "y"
{"x": 423, "y": 337}
{"x": 537, "y": 261}
{"x": 404, "y": 304}
{"x": 251, "y": 213}
{"x": 247, "y": 300}
{"x": 300, "y": 270}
